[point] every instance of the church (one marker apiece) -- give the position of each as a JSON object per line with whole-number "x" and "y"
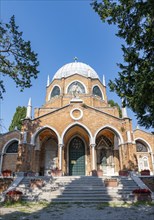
{"x": 76, "y": 131}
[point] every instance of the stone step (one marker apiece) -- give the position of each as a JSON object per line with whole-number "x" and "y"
{"x": 93, "y": 195}
{"x": 94, "y": 187}
{"x": 88, "y": 192}
{"x": 78, "y": 189}
{"x": 89, "y": 199}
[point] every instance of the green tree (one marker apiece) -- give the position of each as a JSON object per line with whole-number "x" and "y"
{"x": 17, "y": 118}
{"x": 135, "y": 81}
{"x": 17, "y": 60}
{"x": 112, "y": 104}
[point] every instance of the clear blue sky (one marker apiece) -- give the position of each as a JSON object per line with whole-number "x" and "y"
{"x": 58, "y": 31}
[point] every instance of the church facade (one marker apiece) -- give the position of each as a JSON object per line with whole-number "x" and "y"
{"x": 76, "y": 131}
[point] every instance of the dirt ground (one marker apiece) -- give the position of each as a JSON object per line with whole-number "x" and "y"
{"x": 77, "y": 211}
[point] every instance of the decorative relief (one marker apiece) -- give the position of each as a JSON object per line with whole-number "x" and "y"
{"x": 141, "y": 147}
{"x": 76, "y": 88}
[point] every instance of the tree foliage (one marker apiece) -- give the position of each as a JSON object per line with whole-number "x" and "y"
{"x": 17, "y": 60}
{"x": 112, "y": 104}
{"x": 135, "y": 81}
{"x": 17, "y": 118}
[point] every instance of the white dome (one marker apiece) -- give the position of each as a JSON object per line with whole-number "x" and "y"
{"x": 73, "y": 68}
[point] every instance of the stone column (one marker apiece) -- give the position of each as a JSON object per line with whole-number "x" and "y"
{"x": 93, "y": 165}
{"x": 1, "y": 162}
{"x": 60, "y": 146}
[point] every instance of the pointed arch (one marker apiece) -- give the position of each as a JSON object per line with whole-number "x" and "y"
{"x": 8, "y": 143}
{"x": 91, "y": 139}
{"x": 144, "y": 142}
{"x": 33, "y": 138}
{"x": 112, "y": 129}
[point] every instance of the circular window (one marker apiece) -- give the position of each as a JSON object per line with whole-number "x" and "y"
{"x": 76, "y": 114}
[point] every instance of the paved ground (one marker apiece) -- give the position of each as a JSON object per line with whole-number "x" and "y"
{"x": 78, "y": 211}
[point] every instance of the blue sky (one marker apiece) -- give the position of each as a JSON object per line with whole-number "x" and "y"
{"x": 59, "y": 31}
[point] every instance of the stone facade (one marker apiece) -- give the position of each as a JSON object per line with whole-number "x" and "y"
{"x": 77, "y": 131}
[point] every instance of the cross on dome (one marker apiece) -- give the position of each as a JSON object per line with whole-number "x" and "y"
{"x": 75, "y": 59}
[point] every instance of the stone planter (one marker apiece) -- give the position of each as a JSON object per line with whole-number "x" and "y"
{"x": 123, "y": 172}
{"x": 97, "y": 173}
{"x": 111, "y": 182}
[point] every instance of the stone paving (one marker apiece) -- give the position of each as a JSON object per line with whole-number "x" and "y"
{"x": 77, "y": 211}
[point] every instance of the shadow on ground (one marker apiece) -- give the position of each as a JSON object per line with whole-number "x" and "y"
{"x": 77, "y": 211}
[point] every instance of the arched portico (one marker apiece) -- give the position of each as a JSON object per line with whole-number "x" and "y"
{"x": 107, "y": 140}
{"x": 45, "y": 142}
{"x": 76, "y": 155}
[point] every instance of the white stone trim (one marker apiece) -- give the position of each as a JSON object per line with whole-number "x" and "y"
{"x": 78, "y": 118}
{"x": 129, "y": 137}
{"x": 100, "y": 89}
{"x": 49, "y": 96}
{"x": 91, "y": 138}
{"x": 110, "y": 128}
{"x": 66, "y": 90}
{"x": 41, "y": 129}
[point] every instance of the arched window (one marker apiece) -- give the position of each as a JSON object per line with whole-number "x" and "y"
{"x": 96, "y": 91}
{"x": 140, "y": 147}
{"x": 76, "y": 87}
{"x": 55, "y": 92}
{"x": 12, "y": 148}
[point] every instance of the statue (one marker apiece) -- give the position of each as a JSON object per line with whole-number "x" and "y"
{"x": 75, "y": 91}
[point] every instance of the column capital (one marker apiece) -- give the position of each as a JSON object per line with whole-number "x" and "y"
{"x": 61, "y": 145}
{"x": 92, "y": 145}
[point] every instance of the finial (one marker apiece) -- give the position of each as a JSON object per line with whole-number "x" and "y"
{"x": 124, "y": 110}
{"x": 75, "y": 59}
{"x": 48, "y": 81}
{"x": 29, "y": 109}
{"x": 104, "y": 84}
{"x": 137, "y": 126}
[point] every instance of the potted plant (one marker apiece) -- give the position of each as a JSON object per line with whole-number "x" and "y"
{"x": 145, "y": 172}
{"x": 111, "y": 182}
{"x": 56, "y": 172}
{"x": 142, "y": 195}
{"x": 6, "y": 173}
{"x": 13, "y": 196}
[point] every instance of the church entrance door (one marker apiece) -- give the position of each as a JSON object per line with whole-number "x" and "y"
{"x": 76, "y": 157}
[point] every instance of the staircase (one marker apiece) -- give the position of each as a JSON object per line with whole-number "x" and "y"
{"x": 78, "y": 189}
